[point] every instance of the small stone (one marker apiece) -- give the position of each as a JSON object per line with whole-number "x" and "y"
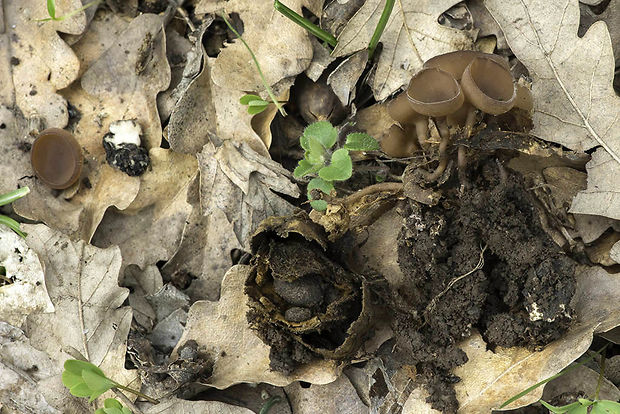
{"x": 297, "y": 314}
{"x": 305, "y": 291}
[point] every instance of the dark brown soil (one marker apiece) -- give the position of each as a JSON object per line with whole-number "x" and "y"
{"x": 479, "y": 260}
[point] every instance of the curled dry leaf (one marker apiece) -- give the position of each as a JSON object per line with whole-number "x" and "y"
{"x": 333, "y": 398}
{"x": 22, "y": 288}
{"x": 82, "y": 282}
{"x": 221, "y": 330}
{"x": 42, "y": 62}
{"x": 412, "y": 36}
{"x": 176, "y": 405}
{"x": 282, "y": 48}
{"x": 574, "y": 101}
{"x": 238, "y": 189}
{"x": 204, "y": 107}
{"x": 490, "y": 378}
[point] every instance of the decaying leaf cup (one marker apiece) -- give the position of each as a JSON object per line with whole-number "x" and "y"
{"x": 292, "y": 252}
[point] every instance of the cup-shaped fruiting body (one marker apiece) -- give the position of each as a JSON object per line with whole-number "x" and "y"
{"x": 434, "y": 92}
{"x": 524, "y": 99}
{"x": 398, "y": 142}
{"x": 455, "y": 63}
{"x": 57, "y": 158}
{"x": 489, "y": 86}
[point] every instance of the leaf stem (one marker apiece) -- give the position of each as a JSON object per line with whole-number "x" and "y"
{"x": 307, "y": 24}
{"x": 11, "y": 196}
{"x": 269, "y": 403}
{"x": 385, "y": 16}
{"x": 138, "y": 393}
{"x": 260, "y": 72}
{"x": 543, "y": 382}
{"x": 600, "y": 375}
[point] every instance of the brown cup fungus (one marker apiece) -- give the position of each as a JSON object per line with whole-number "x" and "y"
{"x": 451, "y": 89}
{"x": 57, "y": 158}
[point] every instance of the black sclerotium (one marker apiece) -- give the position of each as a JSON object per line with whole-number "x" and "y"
{"x": 131, "y": 159}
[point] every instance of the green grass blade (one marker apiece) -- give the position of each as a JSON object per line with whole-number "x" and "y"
{"x": 51, "y": 9}
{"x": 385, "y": 16}
{"x": 13, "y": 225}
{"x": 306, "y": 24}
{"x": 11, "y": 196}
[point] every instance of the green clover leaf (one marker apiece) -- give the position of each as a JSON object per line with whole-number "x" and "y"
{"x": 319, "y": 205}
{"x": 113, "y": 406}
{"x": 85, "y": 379}
{"x": 340, "y": 168}
{"x": 358, "y": 141}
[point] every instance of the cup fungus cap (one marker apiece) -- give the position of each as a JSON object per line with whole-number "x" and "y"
{"x": 401, "y": 111}
{"x": 57, "y": 158}
{"x": 397, "y": 143}
{"x": 434, "y": 92}
{"x": 455, "y": 63}
{"x": 489, "y": 86}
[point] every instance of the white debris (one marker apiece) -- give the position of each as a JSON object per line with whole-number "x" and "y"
{"x": 124, "y": 132}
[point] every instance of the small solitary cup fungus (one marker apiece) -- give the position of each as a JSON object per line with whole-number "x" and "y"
{"x": 57, "y": 158}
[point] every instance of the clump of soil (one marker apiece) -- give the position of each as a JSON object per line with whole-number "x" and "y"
{"x": 479, "y": 260}
{"x": 303, "y": 303}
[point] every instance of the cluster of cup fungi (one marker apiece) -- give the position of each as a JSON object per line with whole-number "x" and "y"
{"x": 451, "y": 89}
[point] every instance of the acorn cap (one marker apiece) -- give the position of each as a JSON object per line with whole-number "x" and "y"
{"x": 455, "y": 63}
{"x": 434, "y": 92}
{"x": 489, "y": 86}
{"x": 57, "y": 158}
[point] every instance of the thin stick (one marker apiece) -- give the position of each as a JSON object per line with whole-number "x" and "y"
{"x": 385, "y": 16}
{"x": 138, "y": 393}
{"x": 127, "y": 401}
{"x": 600, "y": 375}
{"x": 306, "y": 24}
{"x": 371, "y": 189}
{"x": 260, "y": 72}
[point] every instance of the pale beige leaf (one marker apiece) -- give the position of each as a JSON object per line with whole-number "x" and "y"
{"x": 45, "y": 62}
{"x": 82, "y": 282}
{"x": 490, "y": 378}
{"x": 333, "y": 398}
{"x": 574, "y": 101}
{"x": 281, "y": 47}
{"x": 412, "y": 36}
{"x": 221, "y": 330}
{"x": 26, "y": 293}
{"x": 175, "y": 405}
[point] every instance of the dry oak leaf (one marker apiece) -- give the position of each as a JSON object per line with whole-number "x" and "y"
{"x": 222, "y": 331}
{"x": 176, "y": 405}
{"x": 117, "y": 85}
{"x": 82, "y": 282}
{"x": 42, "y": 62}
{"x": 25, "y": 293}
{"x": 490, "y": 378}
{"x": 412, "y": 36}
{"x": 574, "y": 101}
{"x": 336, "y": 397}
{"x": 205, "y": 108}
{"x": 237, "y": 191}
{"x": 282, "y": 48}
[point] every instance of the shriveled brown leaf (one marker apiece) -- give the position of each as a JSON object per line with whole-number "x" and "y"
{"x": 282, "y": 53}
{"x": 82, "y": 282}
{"x": 46, "y": 63}
{"x": 221, "y": 329}
{"x": 412, "y": 36}
{"x": 574, "y": 100}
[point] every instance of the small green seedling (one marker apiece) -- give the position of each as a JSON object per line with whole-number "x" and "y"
{"x": 87, "y": 380}
{"x": 317, "y": 141}
{"x": 259, "y": 104}
{"x": 9, "y": 198}
{"x": 581, "y": 406}
{"x": 51, "y": 10}
{"x": 113, "y": 406}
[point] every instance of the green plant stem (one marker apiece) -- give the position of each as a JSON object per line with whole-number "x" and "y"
{"x": 306, "y": 24}
{"x": 543, "y": 382}
{"x": 70, "y": 14}
{"x": 260, "y": 72}
{"x": 12, "y": 224}
{"x": 600, "y": 375}
{"x": 11, "y": 196}
{"x": 269, "y": 403}
{"x": 385, "y": 16}
{"x": 138, "y": 393}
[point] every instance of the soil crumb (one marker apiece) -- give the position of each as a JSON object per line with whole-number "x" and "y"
{"x": 478, "y": 260}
